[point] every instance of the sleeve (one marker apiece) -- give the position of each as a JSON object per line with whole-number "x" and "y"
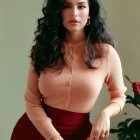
{"x": 114, "y": 79}
{"x": 33, "y": 106}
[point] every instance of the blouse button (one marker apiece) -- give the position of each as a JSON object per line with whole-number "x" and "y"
{"x": 68, "y": 84}
{"x": 70, "y": 72}
{"x": 65, "y": 105}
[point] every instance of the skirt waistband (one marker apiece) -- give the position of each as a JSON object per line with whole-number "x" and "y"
{"x": 65, "y": 115}
{"x": 68, "y": 122}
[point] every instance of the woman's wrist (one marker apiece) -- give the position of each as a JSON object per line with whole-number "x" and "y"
{"x": 105, "y": 112}
{"x": 111, "y": 109}
{"x": 57, "y": 137}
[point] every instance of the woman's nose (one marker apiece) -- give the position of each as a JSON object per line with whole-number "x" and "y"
{"x": 74, "y": 12}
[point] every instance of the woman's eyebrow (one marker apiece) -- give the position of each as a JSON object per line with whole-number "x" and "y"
{"x": 77, "y": 3}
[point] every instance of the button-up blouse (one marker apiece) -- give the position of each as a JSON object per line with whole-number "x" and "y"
{"x": 76, "y": 88}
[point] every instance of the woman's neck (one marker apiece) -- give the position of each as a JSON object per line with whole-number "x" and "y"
{"x": 74, "y": 37}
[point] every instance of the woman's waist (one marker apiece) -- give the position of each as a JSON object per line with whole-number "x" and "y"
{"x": 71, "y": 105}
{"x": 65, "y": 115}
{"x": 68, "y": 122}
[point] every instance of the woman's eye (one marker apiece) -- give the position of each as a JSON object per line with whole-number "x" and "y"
{"x": 81, "y": 7}
{"x": 66, "y": 6}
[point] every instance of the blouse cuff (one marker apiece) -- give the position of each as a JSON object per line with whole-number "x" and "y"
{"x": 54, "y": 136}
{"x": 119, "y": 98}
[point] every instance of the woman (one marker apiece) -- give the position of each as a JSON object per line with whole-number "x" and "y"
{"x": 71, "y": 60}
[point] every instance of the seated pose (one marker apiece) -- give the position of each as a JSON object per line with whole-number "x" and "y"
{"x": 72, "y": 58}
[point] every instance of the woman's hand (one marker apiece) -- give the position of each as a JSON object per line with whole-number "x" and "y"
{"x": 101, "y": 127}
{"x": 57, "y": 137}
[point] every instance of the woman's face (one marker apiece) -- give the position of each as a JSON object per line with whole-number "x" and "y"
{"x": 75, "y": 14}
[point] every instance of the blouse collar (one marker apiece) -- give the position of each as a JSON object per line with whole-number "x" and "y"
{"x": 75, "y": 44}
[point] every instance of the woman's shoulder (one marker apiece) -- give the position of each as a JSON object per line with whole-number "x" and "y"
{"x": 111, "y": 54}
{"x": 107, "y": 49}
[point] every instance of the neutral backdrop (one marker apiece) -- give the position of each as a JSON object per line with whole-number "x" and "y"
{"x": 18, "y": 21}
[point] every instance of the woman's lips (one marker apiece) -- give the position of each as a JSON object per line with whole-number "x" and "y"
{"x": 73, "y": 22}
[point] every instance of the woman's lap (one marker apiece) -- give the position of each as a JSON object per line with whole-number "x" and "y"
{"x": 25, "y": 130}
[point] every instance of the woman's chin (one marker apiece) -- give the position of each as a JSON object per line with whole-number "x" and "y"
{"x": 74, "y": 29}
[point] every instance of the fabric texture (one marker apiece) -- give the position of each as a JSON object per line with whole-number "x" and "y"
{"x": 71, "y": 125}
{"x": 76, "y": 88}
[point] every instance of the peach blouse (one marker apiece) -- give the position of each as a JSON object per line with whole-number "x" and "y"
{"x": 76, "y": 88}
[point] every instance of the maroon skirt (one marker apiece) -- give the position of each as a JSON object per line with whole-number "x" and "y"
{"x": 70, "y": 125}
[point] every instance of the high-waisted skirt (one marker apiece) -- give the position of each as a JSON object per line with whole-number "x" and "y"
{"x": 70, "y": 125}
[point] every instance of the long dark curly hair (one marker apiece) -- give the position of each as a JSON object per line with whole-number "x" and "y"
{"x": 49, "y": 36}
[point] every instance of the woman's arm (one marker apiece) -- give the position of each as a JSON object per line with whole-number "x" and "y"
{"x": 116, "y": 88}
{"x": 115, "y": 83}
{"x": 111, "y": 109}
{"x": 34, "y": 109}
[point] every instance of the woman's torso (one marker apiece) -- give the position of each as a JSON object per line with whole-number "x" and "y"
{"x": 77, "y": 87}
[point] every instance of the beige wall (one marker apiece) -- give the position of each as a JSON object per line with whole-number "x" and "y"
{"x": 17, "y": 24}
